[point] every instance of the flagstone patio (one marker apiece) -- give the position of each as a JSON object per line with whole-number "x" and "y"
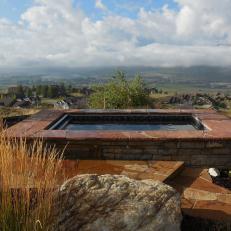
{"x": 200, "y": 197}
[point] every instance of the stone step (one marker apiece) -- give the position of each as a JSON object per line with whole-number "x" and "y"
{"x": 139, "y": 170}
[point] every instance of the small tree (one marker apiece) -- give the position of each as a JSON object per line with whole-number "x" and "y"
{"x": 29, "y": 92}
{"x": 20, "y": 91}
{"x": 44, "y": 91}
{"x": 119, "y": 93}
{"x": 39, "y": 89}
{"x": 69, "y": 88}
{"x": 50, "y": 92}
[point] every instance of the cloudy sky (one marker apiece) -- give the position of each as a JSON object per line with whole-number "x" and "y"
{"x": 73, "y": 33}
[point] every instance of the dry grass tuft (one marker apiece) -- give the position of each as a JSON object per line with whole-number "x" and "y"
{"x": 28, "y": 177}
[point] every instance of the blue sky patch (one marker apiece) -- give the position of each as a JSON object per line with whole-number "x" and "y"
{"x": 12, "y": 9}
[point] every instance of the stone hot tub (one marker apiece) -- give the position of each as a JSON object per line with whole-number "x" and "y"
{"x": 197, "y": 137}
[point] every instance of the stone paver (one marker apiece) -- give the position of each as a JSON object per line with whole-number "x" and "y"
{"x": 140, "y": 170}
{"x": 200, "y": 197}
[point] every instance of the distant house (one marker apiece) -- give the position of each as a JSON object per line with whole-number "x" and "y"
{"x": 33, "y": 100}
{"x": 61, "y": 105}
{"x": 71, "y": 102}
{"x": 7, "y": 102}
{"x": 151, "y": 90}
{"x": 22, "y": 104}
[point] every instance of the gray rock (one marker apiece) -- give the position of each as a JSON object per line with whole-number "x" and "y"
{"x": 115, "y": 203}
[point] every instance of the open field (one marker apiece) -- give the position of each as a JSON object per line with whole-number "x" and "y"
{"x": 76, "y": 94}
{"x": 189, "y": 88}
{"x": 50, "y": 101}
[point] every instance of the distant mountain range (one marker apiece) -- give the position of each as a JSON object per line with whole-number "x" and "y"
{"x": 195, "y": 74}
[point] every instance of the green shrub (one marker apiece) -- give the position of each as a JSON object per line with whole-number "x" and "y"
{"x": 119, "y": 93}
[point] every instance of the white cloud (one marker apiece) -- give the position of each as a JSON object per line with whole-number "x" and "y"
{"x": 99, "y": 4}
{"x": 53, "y": 33}
{"x": 207, "y": 21}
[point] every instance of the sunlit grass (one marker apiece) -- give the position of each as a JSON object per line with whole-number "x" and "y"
{"x": 28, "y": 178}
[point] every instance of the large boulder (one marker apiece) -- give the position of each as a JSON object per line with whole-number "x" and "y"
{"x": 115, "y": 203}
